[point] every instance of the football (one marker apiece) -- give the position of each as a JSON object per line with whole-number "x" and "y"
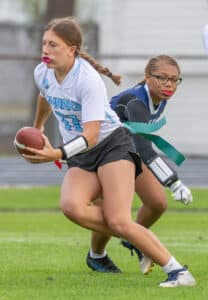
{"x": 28, "y": 137}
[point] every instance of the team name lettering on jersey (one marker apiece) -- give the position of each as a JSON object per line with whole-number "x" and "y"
{"x": 59, "y": 103}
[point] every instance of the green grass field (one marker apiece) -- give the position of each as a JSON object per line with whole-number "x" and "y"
{"x": 43, "y": 254}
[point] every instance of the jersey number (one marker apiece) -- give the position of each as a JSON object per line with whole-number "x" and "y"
{"x": 69, "y": 121}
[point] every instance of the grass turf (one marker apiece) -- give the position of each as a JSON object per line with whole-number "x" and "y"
{"x": 43, "y": 254}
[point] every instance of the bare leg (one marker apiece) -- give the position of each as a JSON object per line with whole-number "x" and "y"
{"x": 78, "y": 191}
{"x": 115, "y": 217}
{"x": 118, "y": 192}
{"x": 153, "y": 196}
{"x": 99, "y": 242}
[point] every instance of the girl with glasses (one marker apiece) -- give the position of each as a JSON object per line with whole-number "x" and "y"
{"x": 145, "y": 103}
{"x": 97, "y": 148}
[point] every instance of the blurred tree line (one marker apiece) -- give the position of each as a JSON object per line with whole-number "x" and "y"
{"x": 44, "y": 10}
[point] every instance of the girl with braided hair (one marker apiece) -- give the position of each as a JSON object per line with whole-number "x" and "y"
{"x": 145, "y": 103}
{"x": 96, "y": 146}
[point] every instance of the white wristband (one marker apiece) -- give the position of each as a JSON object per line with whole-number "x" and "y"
{"x": 162, "y": 171}
{"x": 74, "y": 147}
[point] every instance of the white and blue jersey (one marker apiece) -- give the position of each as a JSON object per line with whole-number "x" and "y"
{"x": 80, "y": 98}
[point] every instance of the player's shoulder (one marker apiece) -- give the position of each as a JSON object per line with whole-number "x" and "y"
{"x": 88, "y": 71}
{"x": 90, "y": 78}
{"x": 138, "y": 91}
{"x": 42, "y": 76}
{"x": 40, "y": 70}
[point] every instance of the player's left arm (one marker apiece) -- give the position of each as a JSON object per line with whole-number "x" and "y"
{"x": 135, "y": 111}
{"x": 93, "y": 112}
{"x": 43, "y": 111}
{"x": 80, "y": 143}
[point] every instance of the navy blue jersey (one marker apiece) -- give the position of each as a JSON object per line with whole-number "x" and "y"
{"x": 141, "y": 93}
{"x": 135, "y": 105}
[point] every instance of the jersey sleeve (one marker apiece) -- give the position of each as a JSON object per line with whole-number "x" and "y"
{"x": 39, "y": 77}
{"x": 129, "y": 108}
{"x": 93, "y": 98}
{"x": 138, "y": 112}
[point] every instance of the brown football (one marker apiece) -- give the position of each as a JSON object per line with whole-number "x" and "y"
{"x": 28, "y": 137}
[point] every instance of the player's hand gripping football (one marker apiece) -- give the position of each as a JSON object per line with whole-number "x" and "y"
{"x": 48, "y": 153}
{"x": 181, "y": 192}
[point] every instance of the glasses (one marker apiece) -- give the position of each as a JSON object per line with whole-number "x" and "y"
{"x": 164, "y": 79}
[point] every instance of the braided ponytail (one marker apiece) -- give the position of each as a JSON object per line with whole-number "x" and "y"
{"x": 70, "y": 32}
{"x": 98, "y": 67}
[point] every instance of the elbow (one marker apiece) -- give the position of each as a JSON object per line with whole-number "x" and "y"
{"x": 92, "y": 141}
{"x": 91, "y": 132}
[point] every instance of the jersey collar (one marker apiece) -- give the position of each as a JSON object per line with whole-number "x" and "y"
{"x": 70, "y": 75}
{"x": 150, "y": 102}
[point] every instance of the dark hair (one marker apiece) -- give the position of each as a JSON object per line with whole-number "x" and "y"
{"x": 154, "y": 62}
{"x": 70, "y": 32}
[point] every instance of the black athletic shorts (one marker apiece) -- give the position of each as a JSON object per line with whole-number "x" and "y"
{"x": 118, "y": 145}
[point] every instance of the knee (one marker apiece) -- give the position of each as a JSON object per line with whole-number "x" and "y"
{"x": 118, "y": 225}
{"x": 159, "y": 206}
{"x": 70, "y": 209}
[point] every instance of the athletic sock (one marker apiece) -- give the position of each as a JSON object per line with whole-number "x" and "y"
{"x": 172, "y": 265}
{"x": 96, "y": 255}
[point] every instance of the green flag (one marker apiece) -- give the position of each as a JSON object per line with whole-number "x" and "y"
{"x": 146, "y": 129}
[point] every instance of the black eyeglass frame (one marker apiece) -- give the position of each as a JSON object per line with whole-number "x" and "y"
{"x": 164, "y": 79}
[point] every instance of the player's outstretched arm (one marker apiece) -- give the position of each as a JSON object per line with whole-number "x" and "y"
{"x": 80, "y": 143}
{"x": 42, "y": 114}
{"x": 166, "y": 175}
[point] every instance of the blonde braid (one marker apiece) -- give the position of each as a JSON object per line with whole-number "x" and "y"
{"x": 98, "y": 67}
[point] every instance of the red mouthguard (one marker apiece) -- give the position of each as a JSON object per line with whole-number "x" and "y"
{"x": 46, "y": 59}
{"x": 168, "y": 93}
